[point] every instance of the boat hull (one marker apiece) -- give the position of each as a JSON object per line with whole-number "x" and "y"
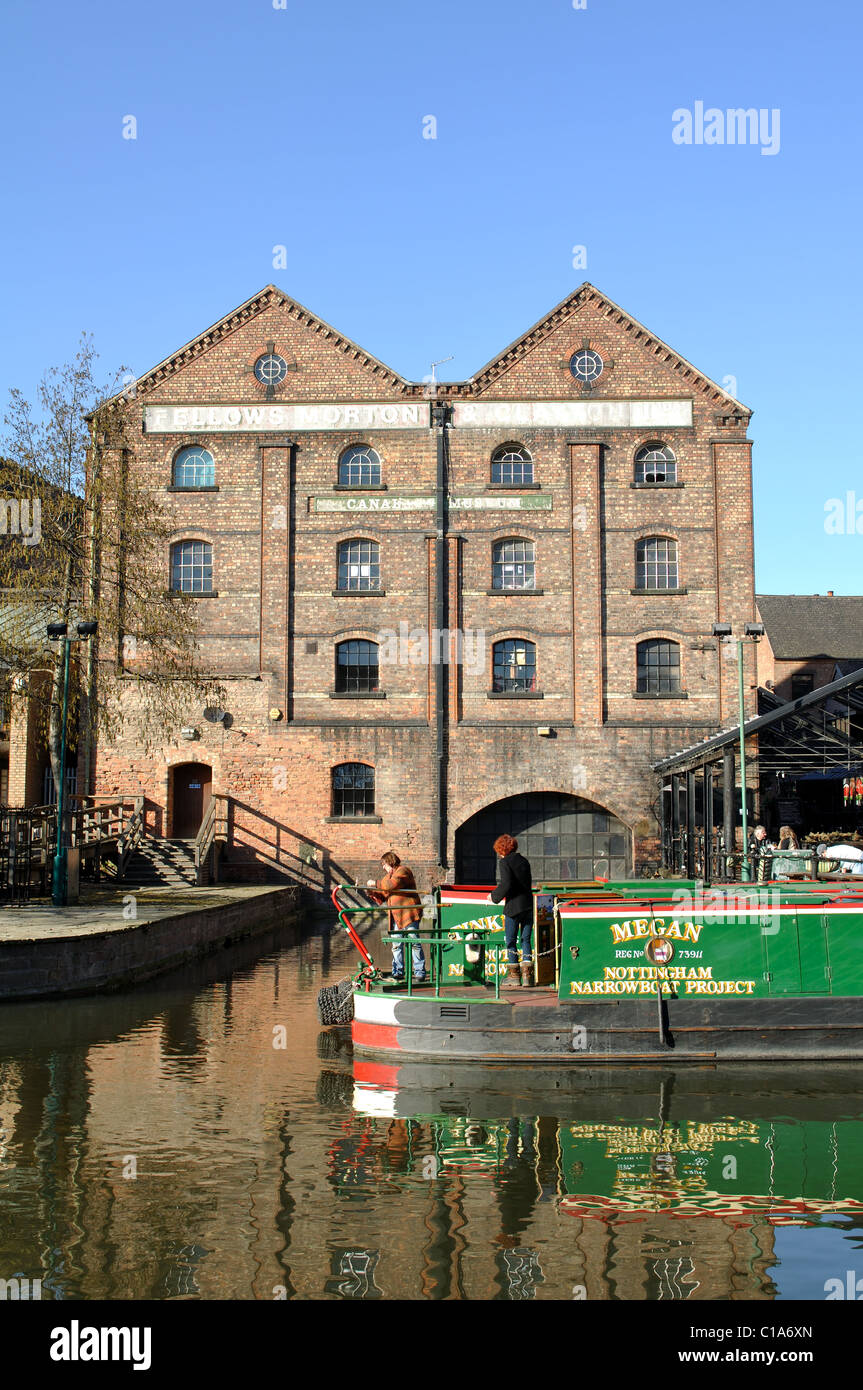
{"x": 544, "y": 1029}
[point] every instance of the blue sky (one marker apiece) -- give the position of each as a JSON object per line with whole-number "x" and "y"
{"x": 302, "y": 127}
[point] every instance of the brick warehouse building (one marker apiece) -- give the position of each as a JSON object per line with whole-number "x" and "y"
{"x": 576, "y": 516}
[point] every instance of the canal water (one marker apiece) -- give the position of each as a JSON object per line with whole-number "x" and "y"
{"x": 204, "y": 1138}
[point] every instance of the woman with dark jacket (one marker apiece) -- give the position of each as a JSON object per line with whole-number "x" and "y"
{"x": 514, "y": 891}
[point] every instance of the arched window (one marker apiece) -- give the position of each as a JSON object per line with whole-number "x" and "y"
{"x": 360, "y": 466}
{"x": 656, "y": 563}
{"x": 511, "y": 465}
{"x": 353, "y": 790}
{"x": 655, "y": 463}
{"x": 194, "y": 467}
{"x": 513, "y": 666}
{"x": 513, "y": 565}
{"x": 658, "y": 667}
{"x": 357, "y": 669}
{"x": 192, "y": 567}
{"x": 359, "y": 566}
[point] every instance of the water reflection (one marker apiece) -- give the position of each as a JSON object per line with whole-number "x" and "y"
{"x": 165, "y": 1144}
{"x": 644, "y": 1184}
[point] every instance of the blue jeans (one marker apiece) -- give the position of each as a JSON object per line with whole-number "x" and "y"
{"x": 418, "y": 960}
{"x": 518, "y": 931}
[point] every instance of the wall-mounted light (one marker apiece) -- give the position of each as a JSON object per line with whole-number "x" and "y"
{"x": 721, "y": 629}
{"x": 544, "y": 731}
{"x": 188, "y": 733}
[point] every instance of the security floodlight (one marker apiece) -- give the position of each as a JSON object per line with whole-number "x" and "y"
{"x": 721, "y": 629}
{"x": 87, "y": 629}
{"x": 56, "y": 630}
{"x": 754, "y": 629}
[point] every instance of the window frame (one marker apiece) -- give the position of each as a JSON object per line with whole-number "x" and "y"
{"x": 358, "y": 540}
{"x": 530, "y": 690}
{"x": 512, "y": 447}
{"x": 360, "y": 691}
{"x": 496, "y": 563}
{"x": 641, "y": 584}
{"x": 655, "y": 446}
{"x": 672, "y": 692}
{"x": 338, "y": 814}
{"x": 354, "y": 449}
{"x": 212, "y": 591}
{"x": 175, "y": 486}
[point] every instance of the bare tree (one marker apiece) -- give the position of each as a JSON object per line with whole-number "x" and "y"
{"x": 80, "y": 539}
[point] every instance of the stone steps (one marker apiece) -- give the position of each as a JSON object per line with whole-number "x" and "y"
{"x": 161, "y": 863}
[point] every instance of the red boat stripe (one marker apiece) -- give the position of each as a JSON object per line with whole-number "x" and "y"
{"x": 376, "y": 1074}
{"x": 375, "y": 1035}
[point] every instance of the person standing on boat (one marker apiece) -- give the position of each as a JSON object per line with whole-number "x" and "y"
{"x": 397, "y": 888}
{"x": 514, "y": 891}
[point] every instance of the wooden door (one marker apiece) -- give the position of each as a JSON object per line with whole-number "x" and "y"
{"x": 192, "y": 787}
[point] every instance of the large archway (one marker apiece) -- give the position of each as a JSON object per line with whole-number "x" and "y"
{"x": 564, "y": 837}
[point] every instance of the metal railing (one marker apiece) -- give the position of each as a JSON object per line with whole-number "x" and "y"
{"x": 437, "y": 943}
{"x": 27, "y": 841}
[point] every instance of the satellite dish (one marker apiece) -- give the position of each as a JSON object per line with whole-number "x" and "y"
{"x": 214, "y": 715}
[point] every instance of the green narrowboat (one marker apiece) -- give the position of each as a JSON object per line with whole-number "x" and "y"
{"x": 634, "y": 972}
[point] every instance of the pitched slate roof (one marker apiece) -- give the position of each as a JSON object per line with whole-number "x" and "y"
{"x": 801, "y": 626}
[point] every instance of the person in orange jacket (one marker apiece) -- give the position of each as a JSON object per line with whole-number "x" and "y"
{"x": 397, "y": 888}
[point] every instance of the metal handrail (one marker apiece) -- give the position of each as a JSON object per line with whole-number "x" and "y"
{"x": 205, "y": 839}
{"x": 436, "y": 940}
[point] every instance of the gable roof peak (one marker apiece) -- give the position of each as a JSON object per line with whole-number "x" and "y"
{"x": 584, "y": 293}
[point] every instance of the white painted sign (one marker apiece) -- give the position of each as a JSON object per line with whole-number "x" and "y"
{"x": 607, "y": 415}
{"x": 532, "y": 503}
{"x": 247, "y": 419}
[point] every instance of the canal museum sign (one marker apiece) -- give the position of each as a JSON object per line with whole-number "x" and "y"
{"x": 402, "y": 415}
{"x": 583, "y": 501}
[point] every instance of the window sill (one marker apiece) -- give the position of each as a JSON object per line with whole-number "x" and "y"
{"x": 507, "y": 593}
{"x": 514, "y": 695}
{"x": 648, "y": 592}
{"x": 353, "y": 820}
{"x": 193, "y": 593}
{"x": 357, "y": 694}
{"x": 358, "y": 593}
{"x": 175, "y": 487}
{"x": 513, "y": 487}
{"x": 359, "y": 487}
{"x": 648, "y": 486}
{"x": 660, "y": 695}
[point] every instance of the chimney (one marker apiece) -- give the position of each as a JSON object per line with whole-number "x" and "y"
{"x": 829, "y": 593}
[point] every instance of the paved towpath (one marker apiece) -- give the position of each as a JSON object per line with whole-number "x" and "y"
{"x": 110, "y": 908}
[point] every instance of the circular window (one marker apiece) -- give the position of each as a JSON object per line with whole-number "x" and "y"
{"x": 585, "y": 365}
{"x": 271, "y": 369}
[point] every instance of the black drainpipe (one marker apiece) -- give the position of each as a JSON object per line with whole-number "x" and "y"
{"x": 441, "y": 419}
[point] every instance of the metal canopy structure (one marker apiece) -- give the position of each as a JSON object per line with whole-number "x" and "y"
{"x": 818, "y": 735}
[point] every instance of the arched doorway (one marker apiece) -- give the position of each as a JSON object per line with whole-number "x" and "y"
{"x": 191, "y": 786}
{"x": 564, "y": 837}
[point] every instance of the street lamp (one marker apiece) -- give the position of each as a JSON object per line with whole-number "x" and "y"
{"x": 58, "y": 632}
{"x": 753, "y": 631}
